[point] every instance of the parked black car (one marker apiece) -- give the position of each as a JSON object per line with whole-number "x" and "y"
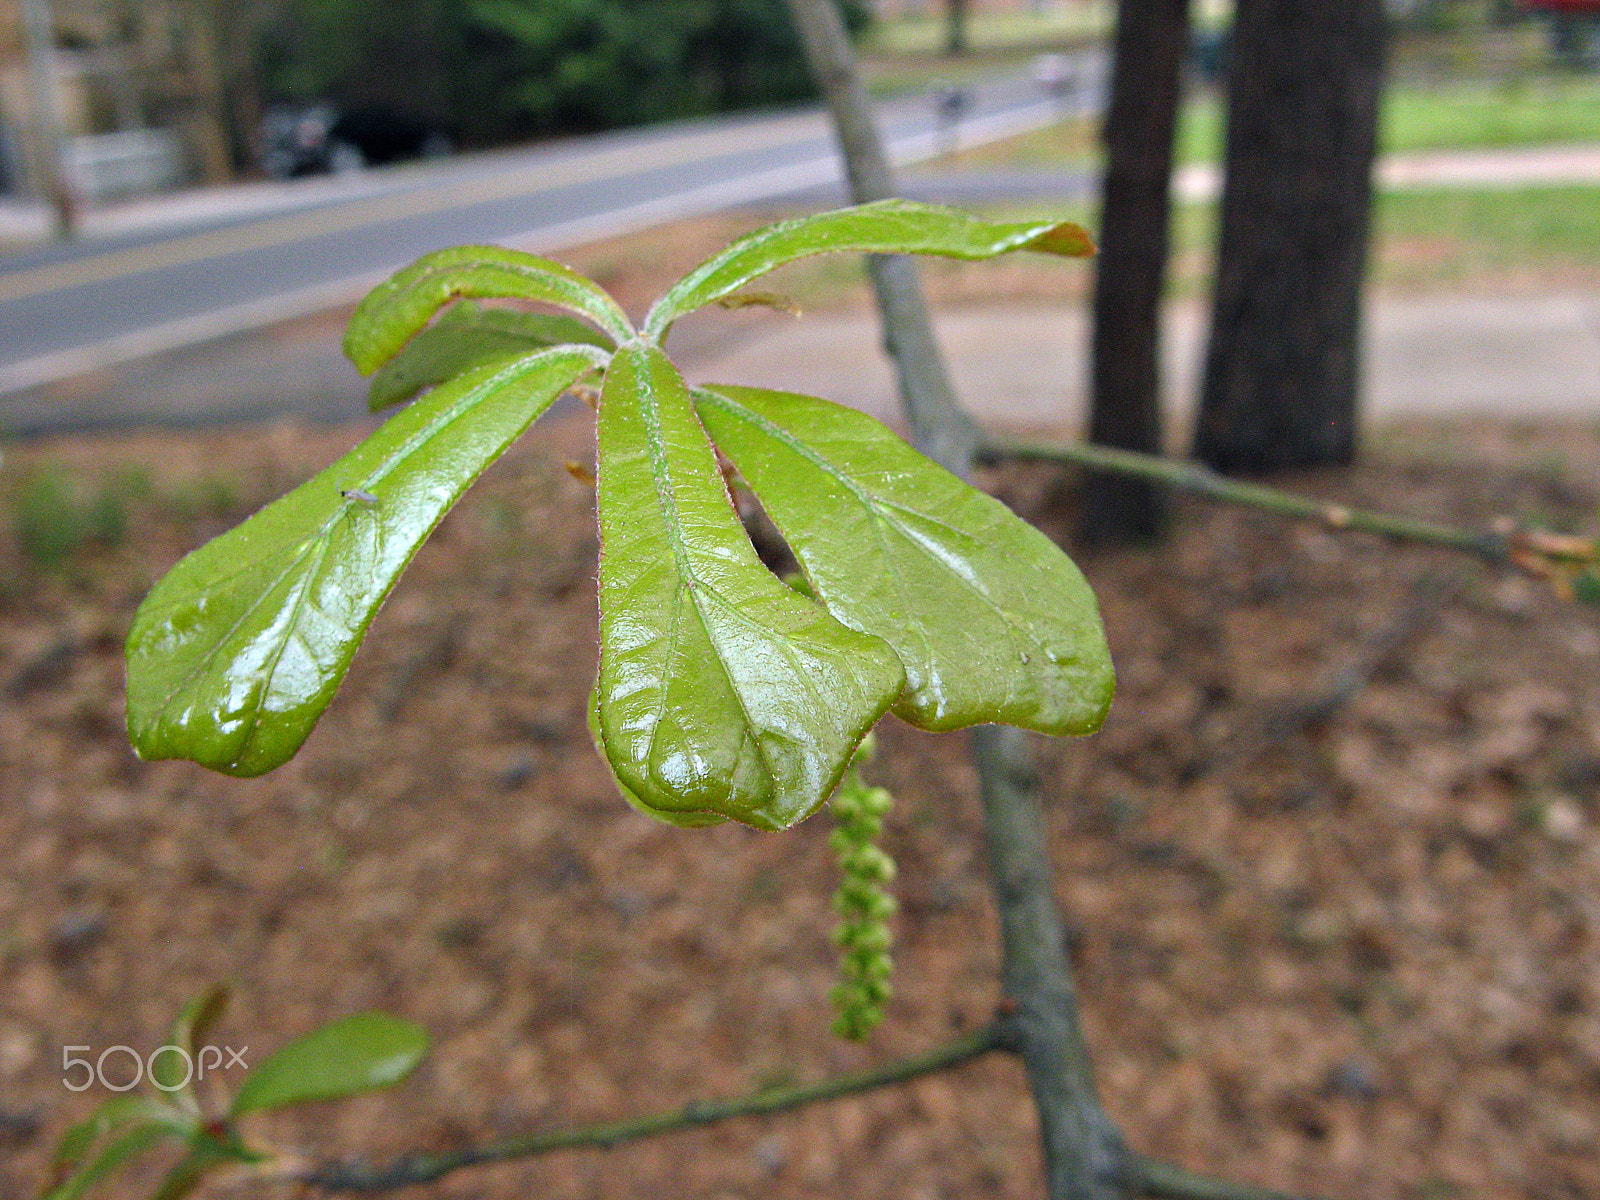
{"x": 329, "y": 139}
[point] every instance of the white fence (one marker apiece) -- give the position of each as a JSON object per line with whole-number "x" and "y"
{"x": 111, "y": 166}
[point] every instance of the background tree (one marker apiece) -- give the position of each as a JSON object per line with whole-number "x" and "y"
{"x": 492, "y": 71}
{"x": 955, "y": 27}
{"x": 1125, "y": 410}
{"x": 1282, "y": 369}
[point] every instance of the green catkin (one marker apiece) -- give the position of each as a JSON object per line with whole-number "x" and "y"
{"x": 863, "y": 901}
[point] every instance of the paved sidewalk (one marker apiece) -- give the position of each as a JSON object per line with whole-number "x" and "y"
{"x": 1523, "y": 166}
{"x": 1018, "y": 367}
{"x": 1535, "y": 356}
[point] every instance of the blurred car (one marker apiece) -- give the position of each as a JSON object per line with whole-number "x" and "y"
{"x": 323, "y": 139}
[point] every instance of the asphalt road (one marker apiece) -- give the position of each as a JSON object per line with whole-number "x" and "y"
{"x": 206, "y": 272}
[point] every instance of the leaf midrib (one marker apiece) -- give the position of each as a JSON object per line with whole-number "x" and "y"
{"x": 690, "y": 581}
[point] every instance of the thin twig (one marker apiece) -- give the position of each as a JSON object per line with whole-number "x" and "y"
{"x": 1167, "y": 1181}
{"x": 1532, "y": 551}
{"x": 425, "y": 1168}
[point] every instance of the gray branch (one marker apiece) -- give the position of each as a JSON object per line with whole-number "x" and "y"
{"x": 413, "y": 1169}
{"x": 1081, "y": 1149}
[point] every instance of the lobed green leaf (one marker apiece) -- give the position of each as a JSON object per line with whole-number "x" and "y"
{"x": 468, "y": 335}
{"x": 990, "y": 619}
{"x": 885, "y": 227}
{"x": 395, "y": 310}
{"x": 721, "y": 690}
{"x": 236, "y": 652}
{"x": 357, "y": 1053}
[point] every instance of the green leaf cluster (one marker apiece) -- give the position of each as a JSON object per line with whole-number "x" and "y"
{"x": 355, "y": 1054}
{"x": 721, "y": 693}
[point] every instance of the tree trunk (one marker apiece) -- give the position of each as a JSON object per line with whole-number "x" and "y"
{"x": 1084, "y": 1157}
{"x": 955, "y": 27}
{"x": 1141, "y": 123}
{"x": 1282, "y": 369}
{"x": 939, "y": 426}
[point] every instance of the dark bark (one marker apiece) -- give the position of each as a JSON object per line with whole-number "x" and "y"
{"x": 955, "y": 27}
{"x": 1282, "y": 370}
{"x": 1136, "y": 208}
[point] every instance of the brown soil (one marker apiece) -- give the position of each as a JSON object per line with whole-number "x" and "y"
{"x": 1360, "y": 958}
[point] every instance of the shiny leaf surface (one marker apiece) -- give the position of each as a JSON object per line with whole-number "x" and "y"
{"x": 683, "y": 820}
{"x": 991, "y": 620}
{"x": 886, "y": 227}
{"x": 396, "y": 309}
{"x": 721, "y": 690}
{"x": 235, "y": 654}
{"x": 355, "y": 1054}
{"x": 468, "y": 335}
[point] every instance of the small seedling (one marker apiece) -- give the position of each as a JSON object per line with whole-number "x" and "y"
{"x": 355, "y": 1054}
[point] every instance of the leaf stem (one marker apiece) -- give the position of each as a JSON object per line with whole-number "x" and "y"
{"x": 424, "y": 1168}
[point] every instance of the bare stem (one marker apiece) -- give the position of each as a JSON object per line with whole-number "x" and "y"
{"x": 1081, "y": 1150}
{"x": 1083, "y": 1153}
{"x": 1151, "y": 1177}
{"x": 424, "y": 1168}
{"x": 1528, "y": 550}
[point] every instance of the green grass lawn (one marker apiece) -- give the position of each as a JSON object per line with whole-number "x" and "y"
{"x": 1465, "y": 116}
{"x": 1443, "y": 237}
{"x": 1459, "y": 237}
{"x": 924, "y": 36}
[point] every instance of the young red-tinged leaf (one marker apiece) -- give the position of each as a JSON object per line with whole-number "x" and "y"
{"x": 991, "y": 620}
{"x": 395, "y": 310}
{"x": 886, "y": 227}
{"x": 235, "y": 654}
{"x": 355, "y": 1054}
{"x": 721, "y": 690}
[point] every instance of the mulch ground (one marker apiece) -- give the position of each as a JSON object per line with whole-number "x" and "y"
{"x": 1357, "y": 955}
{"x": 1332, "y": 868}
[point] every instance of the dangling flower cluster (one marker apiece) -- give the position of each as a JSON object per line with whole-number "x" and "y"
{"x": 863, "y": 901}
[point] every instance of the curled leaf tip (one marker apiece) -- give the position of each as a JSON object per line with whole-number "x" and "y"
{"x": 1067, "y": 239}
